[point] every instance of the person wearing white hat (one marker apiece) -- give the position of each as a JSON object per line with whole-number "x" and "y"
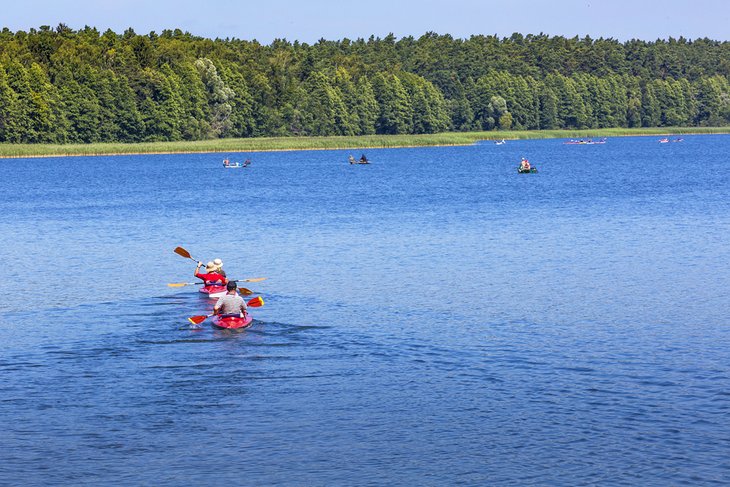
{"x": 211, "y": 277}
{"x": 219, "y": 267}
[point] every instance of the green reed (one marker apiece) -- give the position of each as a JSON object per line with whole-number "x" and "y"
{"x": 321, "y": 143}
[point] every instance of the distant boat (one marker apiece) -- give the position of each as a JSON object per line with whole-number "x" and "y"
{"x": 585, "y": 142}
{"x": 363, "y": 160}
{"x": 525, "y": 167}
{"x": 232, "y": 165}
{"x": 665, "y": 140}
{"x": 498, "y": 142}
{"x": 680, "y": 139}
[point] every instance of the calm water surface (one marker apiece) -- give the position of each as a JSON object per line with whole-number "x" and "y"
{"x": 433, "y": 318}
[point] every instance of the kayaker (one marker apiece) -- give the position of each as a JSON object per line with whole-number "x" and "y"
{"x": 231, "y": 303}
{"x": 363, "y": 159}
{"x": 226, "y": 163}
{"x": 525, "y": 165}
{"x": 211, "y": 277}
{"x": 219, "y": 267}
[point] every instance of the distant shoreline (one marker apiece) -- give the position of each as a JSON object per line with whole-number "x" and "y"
{"x": 280, "y": 144}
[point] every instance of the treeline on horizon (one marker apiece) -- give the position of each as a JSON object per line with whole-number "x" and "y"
{"x": 65, "y": 86}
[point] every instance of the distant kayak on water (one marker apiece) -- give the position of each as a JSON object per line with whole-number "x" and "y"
{"x": 585, "y": 142}
{"x": 525, "y": 167}
{"x": 363, "y": 160}
{"x": 228, "y": 164}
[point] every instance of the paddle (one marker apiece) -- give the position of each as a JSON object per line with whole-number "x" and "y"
{"x": 245, "y": 291}
{"x": 184, "y": 253}
{"x": 196, "y": 320}
{"x": 256, "y": 302}
{"x": 181, "y": 284}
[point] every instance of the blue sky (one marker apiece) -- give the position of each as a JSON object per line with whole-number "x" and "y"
{"x": 310, "y": 20}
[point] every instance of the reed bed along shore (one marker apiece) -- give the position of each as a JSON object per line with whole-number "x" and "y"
{"x": 322, "y": 143}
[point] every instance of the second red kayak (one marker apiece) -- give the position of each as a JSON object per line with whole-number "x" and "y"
{"x": 233, "y": 321}
{"x": 213, "y": 291}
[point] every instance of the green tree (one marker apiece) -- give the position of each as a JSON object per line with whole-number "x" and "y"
{"x": 46, "y": 111}
{"x": 713, "y": 94}
{"x": 651, "y": 111}
{"x": 10, "y": 131}
{"x": 242, "y": 116}
{"x": 498, "y": 112}
{"x": 82, "y": 108}
{"x": 220, "y": 97}
{"x": 366, "y": 106}
{"x": 323, "y": 109}
{"x": 24, "y": 103}
{"x": 195, "y": 110}
{"x": 548, "y": 108}
{"x": 129, "y": 123}
{"x": 161, "y": 107}
{"x": 428, "y": 105}
{"x": 345, "y": 87}
{"x": 396, "y": 112}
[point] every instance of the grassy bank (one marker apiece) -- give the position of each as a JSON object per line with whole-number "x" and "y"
{"x": 317, "y": 143}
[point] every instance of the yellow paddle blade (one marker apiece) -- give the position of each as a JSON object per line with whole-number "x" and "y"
{"x": 244, "y": 291}
{"x": 254, "y": 279}
{"x": 178, "y": 284}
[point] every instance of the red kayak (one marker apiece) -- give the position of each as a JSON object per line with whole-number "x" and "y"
{"x": 233, "y": 321}
{"x": 213, "y": 291}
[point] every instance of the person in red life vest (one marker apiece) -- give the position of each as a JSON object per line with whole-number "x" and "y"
{"x": 211, "y": 277}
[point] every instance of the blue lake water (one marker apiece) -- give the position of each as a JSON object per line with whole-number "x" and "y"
{"x": 433, "y": 318}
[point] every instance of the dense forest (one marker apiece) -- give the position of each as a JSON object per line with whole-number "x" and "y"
{"x": 62, "y": 86}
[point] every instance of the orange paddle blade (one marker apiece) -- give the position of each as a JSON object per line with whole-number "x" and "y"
{"x": 244, "y": 291}
{"x": 181, "y": 251}
{"x": 256, "y": 302}
{"x": 196, "y": 320}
